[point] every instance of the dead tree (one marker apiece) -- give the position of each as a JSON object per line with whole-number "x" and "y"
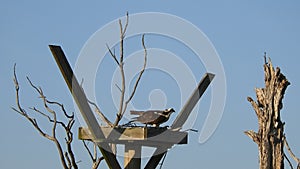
{"x": 270, "y": 137}
{"x": 49, "y": 111}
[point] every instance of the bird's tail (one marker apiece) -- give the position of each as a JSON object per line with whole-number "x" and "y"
{"x": 134, "y": 119}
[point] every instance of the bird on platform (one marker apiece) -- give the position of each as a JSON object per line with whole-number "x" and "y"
{"x": 152, "y": 117}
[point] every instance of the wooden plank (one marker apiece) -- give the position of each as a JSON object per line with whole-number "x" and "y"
{"x": 168, "y": 137}
{"x": 192, "y": 101}
{"x": 112, "y": 134}
{"x": 82, "y": 103}
{"x": 152, "y": 137}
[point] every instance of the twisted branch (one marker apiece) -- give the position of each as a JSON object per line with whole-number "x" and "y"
{"x": 67, "y": 158}
{"x": 102, "y": 116}
{"x": 291, "y": 153}
{"x": 121, "y": 66}
{"x": 137, "y": 80}
{"x": 123, "y": 104}
{"x": 94, "y": 156}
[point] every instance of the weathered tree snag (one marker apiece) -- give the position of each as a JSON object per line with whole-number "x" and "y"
{"x": 270, "y": 135}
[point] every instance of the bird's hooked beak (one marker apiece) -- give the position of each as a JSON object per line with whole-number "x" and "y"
{"x": 170, "y": 110}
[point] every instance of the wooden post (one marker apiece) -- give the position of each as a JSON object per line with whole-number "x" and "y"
{"x": 192, "y": 101}
{"x": 156, "y": 157}
{"x": 132, "y": 156}
{"x": 82, "y": 103}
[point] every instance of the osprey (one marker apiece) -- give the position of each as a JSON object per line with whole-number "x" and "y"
{"x": 153, "y": 117}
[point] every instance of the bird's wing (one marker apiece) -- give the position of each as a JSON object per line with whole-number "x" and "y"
{"x": 148, "y": 117}
{"x": 161, "y": 114}
{"x": 133, "y": 112}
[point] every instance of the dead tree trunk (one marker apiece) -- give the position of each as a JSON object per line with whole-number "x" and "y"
{"x": 270, "y": 135}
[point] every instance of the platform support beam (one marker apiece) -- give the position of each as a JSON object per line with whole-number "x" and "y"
{"x": 82, "y": 103}
{"x": 132, "y": 156}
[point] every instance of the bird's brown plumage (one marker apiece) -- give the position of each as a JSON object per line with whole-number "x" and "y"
{"x": 153, "y": 117}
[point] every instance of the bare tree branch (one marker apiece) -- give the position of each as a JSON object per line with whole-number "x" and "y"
{"x": 88, "y": 150}
{"x": 118, "y": 87}
{"x": 67, "y": 158}
{"x": 290, "y": 152}
{"x": 253, "y": 135}
{"x": 119, "y": 116}
{"x": 62, "y": 108}
{"x": 126, "y": 24}
{"x": 113, "y": 55}
{"x": 96, "y": 161}
{"x": 123, "y": 105}
{"x": 141, "y": 72}
{"x": 69, "y": 140}
{"x": 23, "y": 112}
{"x": 139, "y": 77}
{"x": 122, "y": 76}
{"x": 288, "y": 161}
{"x": 256, "y": 108}
{"x": 43, "y": 97}
{"x": 48, "y": 117}
{"x": 120, "y": 63}
{"x": 121, "y": 66}
{"x": 102, "y": 116}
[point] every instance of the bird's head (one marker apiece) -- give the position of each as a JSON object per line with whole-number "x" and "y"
{"x": 170, "y": 110}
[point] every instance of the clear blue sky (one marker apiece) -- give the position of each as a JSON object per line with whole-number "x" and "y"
{"x": 241, "y": 32}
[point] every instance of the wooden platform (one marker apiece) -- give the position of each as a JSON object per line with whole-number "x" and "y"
{"x": 132, "y": 137}
{"x": 149, "y": 136}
